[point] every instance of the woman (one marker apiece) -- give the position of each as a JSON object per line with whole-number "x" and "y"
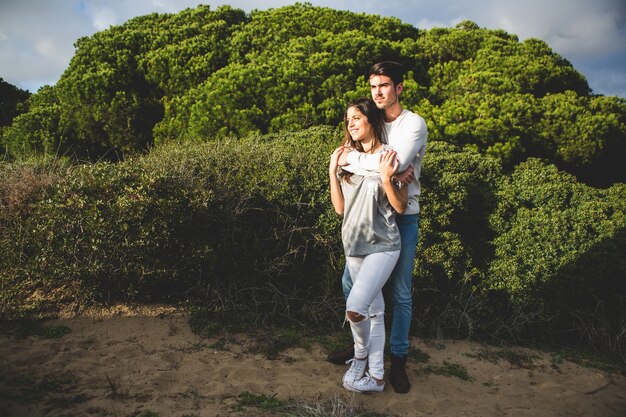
{"x": 368, "y": 202}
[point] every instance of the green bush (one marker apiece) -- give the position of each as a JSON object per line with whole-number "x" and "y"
{"x": 559, "y": 251}
{"x": 245, "y": 226}
{"x": 232, "y": 223}
{"x": 454, "y": 236}
{"x": 22, "y": 186}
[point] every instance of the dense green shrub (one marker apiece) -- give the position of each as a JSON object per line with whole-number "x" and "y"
{"x": 230, "y": 223}
{"x": 109, "y": 232}
{"x": 454, "y": 235}
{"x": 23, "y": 185}
{"x": 559, "y": 251}
{"x": 246, "y": 226}
{"x": 499, "y": 125}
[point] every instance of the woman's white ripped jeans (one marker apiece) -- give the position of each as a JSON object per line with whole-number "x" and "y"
{"x": 365, "y": 306}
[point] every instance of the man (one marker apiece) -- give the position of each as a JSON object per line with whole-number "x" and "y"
{"x": 406, "y": 132}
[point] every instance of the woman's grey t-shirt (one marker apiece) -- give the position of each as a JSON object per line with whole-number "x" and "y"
{"x": 369, "y": 221}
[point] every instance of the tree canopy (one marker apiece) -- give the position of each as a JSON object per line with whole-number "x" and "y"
{"x": 205, "y": 74}
{"x": 11, "y": 99}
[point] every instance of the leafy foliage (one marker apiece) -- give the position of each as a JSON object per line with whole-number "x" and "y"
{"x": 226, "y": 223}
{"x": 37, "y": 131}
{"x": 245, "y": 225}
{"x": 221, "y": 123}
{"x": 11, "y": 99}
{"x": 205, "y": 73}
{"x": 454, "y": 235}
{"x": 546, "y": 220}
{"x": 468, "y": 59}
{"x": 454, "y": 239}
{"x": 591, "y": 142}
{"x": 559, "y": 250}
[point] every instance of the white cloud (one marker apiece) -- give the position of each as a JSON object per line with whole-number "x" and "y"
{"x": 426, "y": 24}
{"x": 45, "y": 47}
{"x": 103, "y": 18}
{"x": 571, "y": 27}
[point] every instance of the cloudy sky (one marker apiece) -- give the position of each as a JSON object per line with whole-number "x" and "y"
{"x": 37, "y": 36}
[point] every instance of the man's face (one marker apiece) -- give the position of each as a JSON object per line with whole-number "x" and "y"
{"x": 383, "y": 91}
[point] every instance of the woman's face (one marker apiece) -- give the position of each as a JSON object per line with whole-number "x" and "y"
{"x": 358, "y": 125}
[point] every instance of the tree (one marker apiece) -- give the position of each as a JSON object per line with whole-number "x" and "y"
{"x": 38, "y": 130}
{"x": 205, "y": 74}
{"x": 587, "y": 134}
{"x": 11, "y": 99}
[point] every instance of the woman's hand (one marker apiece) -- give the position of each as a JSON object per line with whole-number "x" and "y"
{"x": 388, "y": 165}
{"x": 336, "y": 195}
{"x": 334, "y": 160}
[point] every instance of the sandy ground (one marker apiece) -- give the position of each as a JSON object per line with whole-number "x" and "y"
{"x": 145, "y": 365}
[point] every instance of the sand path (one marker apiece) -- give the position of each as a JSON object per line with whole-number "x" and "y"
{"x": 127, "y": 366}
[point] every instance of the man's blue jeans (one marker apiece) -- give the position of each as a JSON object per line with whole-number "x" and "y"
{"x": 401, "y": 282}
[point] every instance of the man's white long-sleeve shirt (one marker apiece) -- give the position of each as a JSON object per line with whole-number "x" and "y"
{"x": 408, "y": 136}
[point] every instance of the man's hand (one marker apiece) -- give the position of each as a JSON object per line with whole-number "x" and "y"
{"x": 406, "y": 176}
{"x": 343, "y": 158}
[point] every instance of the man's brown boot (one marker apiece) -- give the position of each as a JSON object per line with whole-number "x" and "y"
{"x": 397, "y": 375}
{"x": 341, "y": 356}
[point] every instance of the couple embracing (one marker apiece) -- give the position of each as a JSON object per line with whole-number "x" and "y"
{"x": 374, "y": 185}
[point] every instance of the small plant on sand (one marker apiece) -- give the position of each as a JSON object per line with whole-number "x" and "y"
{"x": 516, "y": 358}
{"x": 271, "y": 342}
{"x": 435, "y": 344}
{"x": 588, "y": 359}
{"x": 32, "y": 388}
{"x": 115, "y": 386}
{"x": 220, "y": 344}
{"x": 203, "y": 324}
{"x": 334, "y": 341}
{"x": 262, "y": 401}
{"x": 56, "y": 331}
{"x": 193, "y": 394}
{"x": 556, "y": 359}
{"x": 267, "y": 339}
{"x": 335, "y": 407}
{"x": 417, "y": 355}
{"x": 32, "y": 327}
{"x": 490, "y": 384}
{"x": 447, "y": 369}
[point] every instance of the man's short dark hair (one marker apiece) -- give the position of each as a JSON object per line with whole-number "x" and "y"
{"x": 389, "y": 69}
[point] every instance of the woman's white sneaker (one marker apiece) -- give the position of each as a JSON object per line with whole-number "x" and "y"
{"x": 355, "y": 372}
{"x": 365, "y": 384}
